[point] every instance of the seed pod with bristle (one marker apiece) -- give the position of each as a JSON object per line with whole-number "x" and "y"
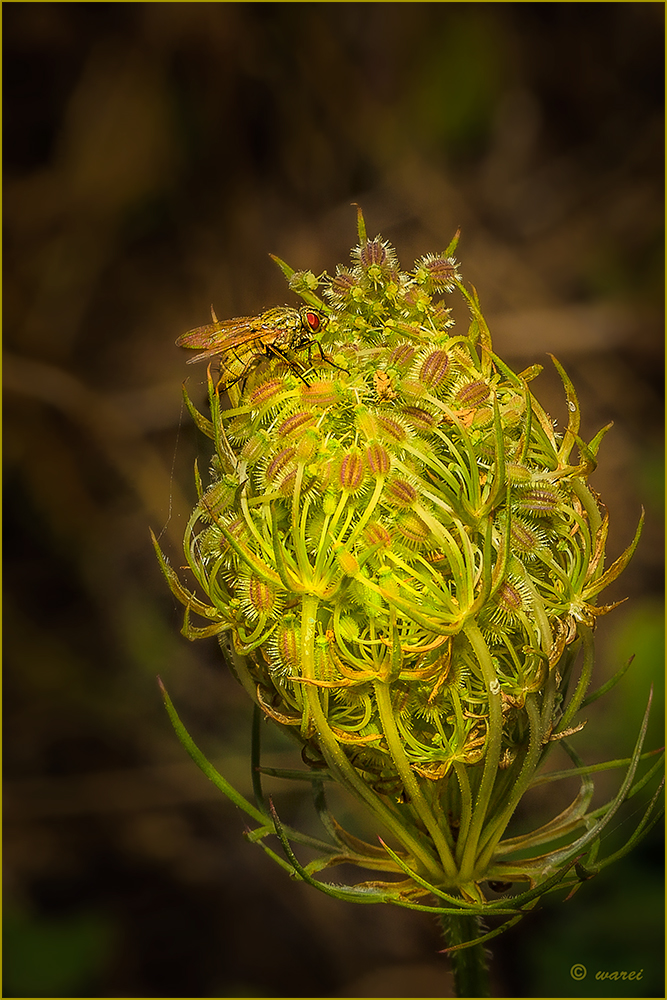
{"x": 438, "y": 273}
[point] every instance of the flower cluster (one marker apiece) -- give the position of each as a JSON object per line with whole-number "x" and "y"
{"x": 402, "y": 558}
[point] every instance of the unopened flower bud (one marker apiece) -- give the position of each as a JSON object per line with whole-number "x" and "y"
{"x": 261, "y": 598}
{"x": 412, "y": 528}
{"x": 351, "y": 472}
{"x": 472, "y": 393}
{"x": 322, "y": 394}
{"x": 308, "y": 444}
{"x": 400, "y": 493}
{"x": 406, "y": 563}
{"x": 539, "y": 500}
{"x": 402, "y": 355}
{"x": 279, "y": 464}
{"x": 420, "y": 419}
{"x": 508, "y": 597}
{"x": 303, "y": 281}
{"x": 256, "y": 447}
{"x": 376, "y": 253}
{"x": 284, "y": 650}
{"x": 343, "y": 284}
{"x": 265, "y": 392}
{"x": 434, "y": 368}
{"x": 525, "y": 539}
{"x": 219, "y": 497}
{"x": 347, "y": 562}
{"x": 439, "y": 273}
{"x": 390, "y": 428}
{"x": 377, "y": 459}
{"x": 377, "y": 534}
{"x": 295, "y": 424}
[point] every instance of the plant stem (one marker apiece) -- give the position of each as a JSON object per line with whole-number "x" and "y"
{"x": 335, "y": 757}
{"x": 471, "y": 977}
{"x": 492, "y": 755}
{"x": 383, "y": 699}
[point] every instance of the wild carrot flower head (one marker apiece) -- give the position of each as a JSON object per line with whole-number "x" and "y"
{"x": 402, "y": 558}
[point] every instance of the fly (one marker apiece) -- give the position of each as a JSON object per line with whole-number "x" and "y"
{"x": 241, "y": 343}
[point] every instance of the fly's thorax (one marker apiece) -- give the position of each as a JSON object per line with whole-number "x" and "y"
{"x": 281, "y": 327}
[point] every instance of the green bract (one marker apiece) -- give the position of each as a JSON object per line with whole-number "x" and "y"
{"x": 402, "y": 559}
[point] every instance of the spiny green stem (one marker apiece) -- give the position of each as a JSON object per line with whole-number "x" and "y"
{"x": 469, "y": 965}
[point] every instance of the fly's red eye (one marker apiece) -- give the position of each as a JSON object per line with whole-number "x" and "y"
{"x": 313, "y": 321}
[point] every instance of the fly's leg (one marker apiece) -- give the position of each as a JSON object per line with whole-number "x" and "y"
{"x": 323, "y": 356}
{"x": 292, "y": 364}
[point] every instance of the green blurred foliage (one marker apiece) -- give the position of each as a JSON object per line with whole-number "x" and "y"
{"x": 639, "y": 633}
{"x": 64, "y": 957}
{"x": 595, "y": 937}
{"x": 456, "y": 76}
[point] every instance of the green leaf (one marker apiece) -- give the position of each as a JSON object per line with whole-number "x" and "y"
{"x": 606, "y": 812}
{"x": 528, "y": 374}
{"x": 204, "y": 425}
{"x": 566, "y": 821}
{"x": 452, "y": 244}
{"x": 572, "y": 772}
{"x": 255, "y": 756}
{"x": 594, "y": 445}
{"x": 205, "y": 765}
{"x": 278, "y": 860}
{"x": 534, "y": 868}
{"x": 575, "y": 701}
{"x": 304, "y": 293}
{"x": 198, "y": 483}
{"x": 608, "y": 685}
{"x": 295, "y": 775}
{"x": 326, "y": 819}
{"x": 643, "y": 828}
{"x": 480, "y": 325}
{"x": 498, "y": 487}
{"x": 588, "y": 463}
{"x": 484, "y": 937}
{"x": 638, "y": 785}
{"x": 178, "y": 590}
{"x": 462, "y": 904}
{"x": 574, "y": 415}
{"x": 285, "y": 268}
{"x": 353, "y": 894}
{"x": 616, "y": 567}
{"x": 192, "y": 632}
{"x": 361, "y": 225}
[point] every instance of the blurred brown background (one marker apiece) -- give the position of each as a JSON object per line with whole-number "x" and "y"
{"x": 155, "y": 153}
